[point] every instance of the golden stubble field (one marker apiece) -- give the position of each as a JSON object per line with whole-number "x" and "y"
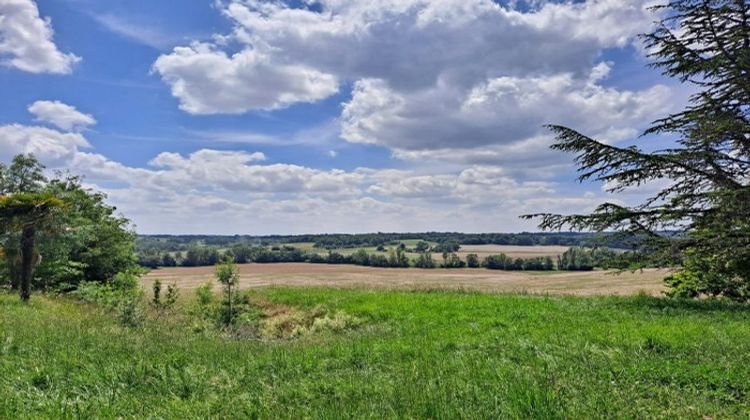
{"x": 351, "y": 276}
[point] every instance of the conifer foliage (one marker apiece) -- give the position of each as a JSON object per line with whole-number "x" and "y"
{"x": 705, "y": 43}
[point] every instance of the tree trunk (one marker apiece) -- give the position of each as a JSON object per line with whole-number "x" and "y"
{"x": 28, "y": 239}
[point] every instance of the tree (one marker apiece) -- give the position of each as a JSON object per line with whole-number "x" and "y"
{"x": 228, "y": 274}
{"x": 24, "y": 175}
{"x": 421, "y": 246}
{"x": 452, "y": 260}
{"x": 424, "y": 260}
{"x": 707, "y": 198}
{"x": 472, "y": 260}
{"x": 85, "y": 240}
{"x": 27, "y": 213}
{"x": 90, "y": 235}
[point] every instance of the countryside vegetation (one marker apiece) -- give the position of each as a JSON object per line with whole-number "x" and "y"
{"x": 85, "y": 333}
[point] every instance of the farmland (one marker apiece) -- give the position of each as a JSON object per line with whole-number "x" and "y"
{"x": 513, "y": 251}
{"x": 349, "y": 276}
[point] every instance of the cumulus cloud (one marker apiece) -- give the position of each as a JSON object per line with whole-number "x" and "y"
{"x": 48, "y": 145}
{"x": 235, "y": 191}
{"x": 476, "y": 186}
{"x": 209, "y": 81}
{"x": 26, "y": 40}
{"x": 499, "y": 118}
{"x": 466, "y": 81}
{"x": 63, "y": 116}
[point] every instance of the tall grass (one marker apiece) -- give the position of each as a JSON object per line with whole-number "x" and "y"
{"x": 438, "y": 355}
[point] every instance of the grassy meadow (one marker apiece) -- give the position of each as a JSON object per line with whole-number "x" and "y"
{"x": 410, "y": 354}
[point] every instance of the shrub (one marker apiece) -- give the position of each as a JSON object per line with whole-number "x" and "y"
{"x": 169, "y": 300}
{"x": 123, "y": 295}
{"x": 451, "y": 260}
{"x": 424, "y": 260}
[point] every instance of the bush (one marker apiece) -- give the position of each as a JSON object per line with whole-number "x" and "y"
{"x": 447, "y": 246}
{"x": 424, "y": 260}
{"x": 169, "y": 300}
{"x": 472, "y": 260}
{"x": 451, "y": 260}
{"x": 702, "y": 276}
{"x": 123, "y": 295}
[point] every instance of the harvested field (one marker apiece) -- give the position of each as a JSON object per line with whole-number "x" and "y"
{"x": 513, "y": 251}
{"x": 351, "y": 276}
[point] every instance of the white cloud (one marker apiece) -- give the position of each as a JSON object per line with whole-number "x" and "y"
{"x": 26, "y": 40}
{"x": 465, "y": 81}
{"x": 209, "y": 81}
{"x": 64, "y": 116}
{"x": 410, "y": 44}
{"x": 234, "y": 191}
{"x": 50, "y": 146}
{"x": 476, "y": 186}
{"x": 148, "y": 35}
{"x": 498, "y": 120}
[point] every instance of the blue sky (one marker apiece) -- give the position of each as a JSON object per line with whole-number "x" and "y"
{"x": 246, "y": 116}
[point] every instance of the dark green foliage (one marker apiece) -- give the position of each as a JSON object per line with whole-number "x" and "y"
{"x": 576, "y": 259}
{"x": 421, "y": 246}
{"x": 397, "y": 258}
{"x": 360, "y": 257}
{"x": 498, "y": 262}
{"x": 705, "y": 43}
{"x": 25, "y": 174}
{"x": 451, "y": 260}
{"x": 504, "y": 262}
{"x": 424, "y": 260}
{"x": 448, "y": 246}
{"x": 472, "y": 261}
{"x": 151, "y": 244}
{"x": 82, "y": 240}
{"x": 378, "y": 260}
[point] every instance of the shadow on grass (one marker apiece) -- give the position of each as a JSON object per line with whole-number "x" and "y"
{"x": 686, "y": 305}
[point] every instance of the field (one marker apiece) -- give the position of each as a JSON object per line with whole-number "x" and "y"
{"x": 415, "y": 355}
{"x": 514, "y": 251}
{"x": 351, "y": 276}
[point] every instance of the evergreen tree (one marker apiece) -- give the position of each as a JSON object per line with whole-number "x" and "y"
{"x": 705, "y": 43}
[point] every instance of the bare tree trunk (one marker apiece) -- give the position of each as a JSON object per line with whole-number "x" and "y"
{"x": 28, "y": 239}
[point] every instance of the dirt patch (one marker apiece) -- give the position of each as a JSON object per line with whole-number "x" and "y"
{"x": 350, "y": 276}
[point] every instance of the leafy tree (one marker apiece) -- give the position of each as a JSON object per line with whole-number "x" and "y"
{"x": 498, "y": 262}
{"x": 452, "y": 260}
{"x": 424, "y": 260}
{"x": 398, "y": 258}
{"x": 93, "y": 236}
{"x": 360, "y": 257}
{"x": 705, "y": 43}
{"x": 27, "y": 213}
{"x": 472, "y": 260}
{"x": 24, "y": 175}
{"x": 447, "y": 246}
{"x": 84, "y": 241}
{"x": 421, "y": 246}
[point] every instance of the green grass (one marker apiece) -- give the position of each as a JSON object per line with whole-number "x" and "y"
{"x": 436, "y": 355}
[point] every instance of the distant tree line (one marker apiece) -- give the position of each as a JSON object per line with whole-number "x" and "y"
{"x": 445, "y": 241}
{"x": 574, "y": 259}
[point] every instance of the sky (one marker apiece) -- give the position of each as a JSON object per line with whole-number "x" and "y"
{"x": 264, "y": 117}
